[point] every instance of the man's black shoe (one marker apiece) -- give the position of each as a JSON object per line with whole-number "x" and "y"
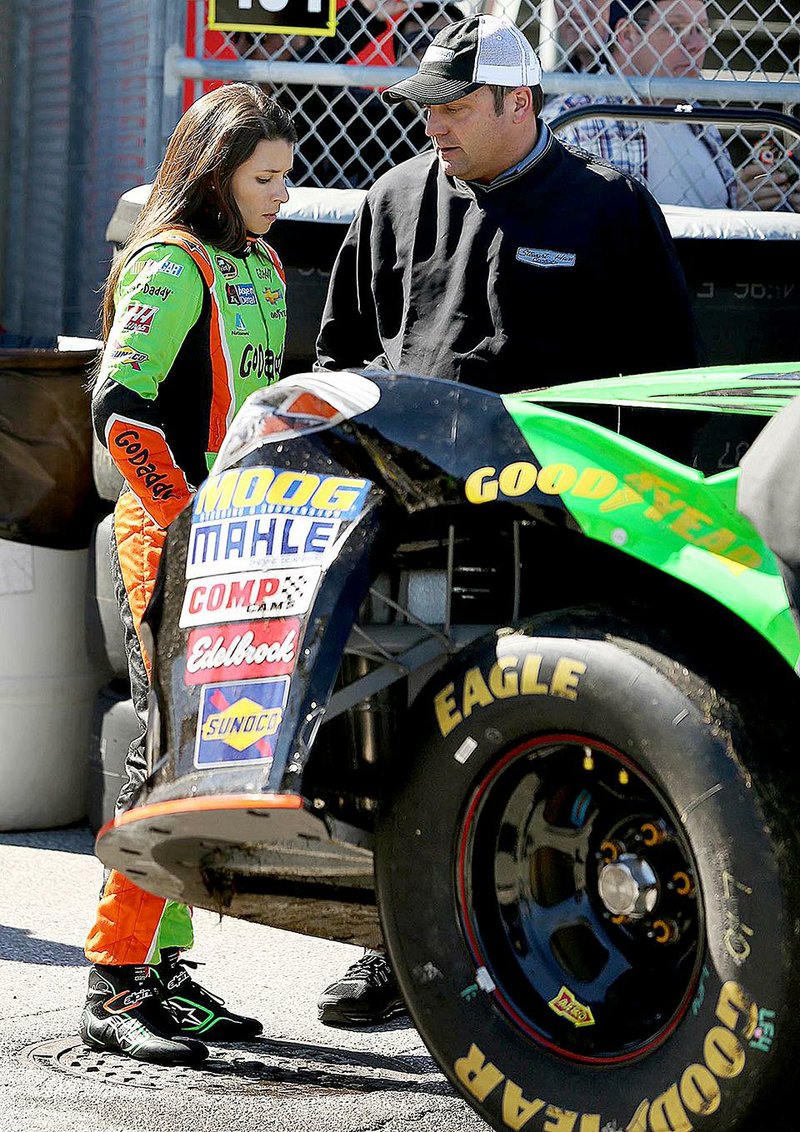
{"x": 124, "y": 1013}
{"x": 195, "y": 1012}
{"x": 366, "y": 994}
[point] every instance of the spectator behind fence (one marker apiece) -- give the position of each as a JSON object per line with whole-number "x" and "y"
{"x": 351, "y": 138}
{"x": 384, "y": 136}
{"x": 581, "y": 31}
{"x": 681, "y": 163}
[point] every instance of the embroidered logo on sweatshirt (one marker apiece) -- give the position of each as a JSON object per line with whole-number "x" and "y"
{"x": 541, "y": 257}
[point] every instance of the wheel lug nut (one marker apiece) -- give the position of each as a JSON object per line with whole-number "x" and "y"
{"x": 653, "y": 832}
{"x": 665, "y": 931}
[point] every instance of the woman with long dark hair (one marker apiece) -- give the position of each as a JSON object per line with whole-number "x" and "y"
{"x": 194, "y": 319}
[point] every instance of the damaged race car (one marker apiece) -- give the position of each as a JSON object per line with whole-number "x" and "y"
{"x": 510, "y": 682}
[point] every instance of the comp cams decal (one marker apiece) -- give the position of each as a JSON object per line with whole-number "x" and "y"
{"x": 508, "y": 677}
{"x": 698, "y": 1090}
{"x": 242, "y": 652}
{"x": 237, "y": 722}
{"x": 659, "y": 500}
{"x": 239, "y": 597}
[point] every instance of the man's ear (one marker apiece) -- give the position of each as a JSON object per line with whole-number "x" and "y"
{"x": 522, "y": 103}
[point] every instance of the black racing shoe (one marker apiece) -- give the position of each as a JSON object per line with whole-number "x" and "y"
{"x": 124, "y": 1013}
{"x": 366, "y": 994}
{"x": 195, "y": 1011}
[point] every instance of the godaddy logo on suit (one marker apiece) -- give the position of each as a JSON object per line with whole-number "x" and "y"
{"x": 257, "y": 361}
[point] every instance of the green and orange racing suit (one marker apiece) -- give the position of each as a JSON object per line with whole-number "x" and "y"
{"x": 196, "y": 330}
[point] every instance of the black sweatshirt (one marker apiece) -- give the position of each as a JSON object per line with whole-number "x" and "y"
{"x": 564, "y": 272}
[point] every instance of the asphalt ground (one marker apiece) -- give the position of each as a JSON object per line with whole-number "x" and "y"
{"x": 300, "y": 1076}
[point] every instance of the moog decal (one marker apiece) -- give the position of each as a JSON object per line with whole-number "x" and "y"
{"x": 240, "y": 493}
{"x": 238, "y": 597}
{"x": 237, "y": 722}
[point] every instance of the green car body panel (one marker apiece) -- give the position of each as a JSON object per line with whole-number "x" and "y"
{"x": 662, "y": 512}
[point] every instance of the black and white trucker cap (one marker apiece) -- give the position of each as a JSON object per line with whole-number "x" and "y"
{"x": 468, "y": 55}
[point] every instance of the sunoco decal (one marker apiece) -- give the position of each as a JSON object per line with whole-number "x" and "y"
{"x": 237, "y": 723}
{"x": 256, "y": 648}
{"x": 239, "y": 597}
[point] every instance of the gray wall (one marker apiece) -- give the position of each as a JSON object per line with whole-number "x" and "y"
{"x": 76, "y": 141}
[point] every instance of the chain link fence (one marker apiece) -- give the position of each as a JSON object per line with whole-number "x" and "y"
{"x": 729, "y": 53}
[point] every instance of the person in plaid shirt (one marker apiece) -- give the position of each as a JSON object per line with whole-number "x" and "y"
{"x": 680, "y": 163}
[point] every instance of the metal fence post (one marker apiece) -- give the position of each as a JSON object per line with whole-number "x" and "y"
{"x": 77, "y": 149}
{"x": 174, "y": 47}
{"x": 18, "y": 167}
{"x": 156, "y": 44}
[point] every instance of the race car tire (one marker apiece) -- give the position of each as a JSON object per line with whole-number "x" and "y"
{"x": 587, "y": 869}
{"x": 107, "y": 478}
{"x": 104, "y": 633}
{"x": 115, "y": 725}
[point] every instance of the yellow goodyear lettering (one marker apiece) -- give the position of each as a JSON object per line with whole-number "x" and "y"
{"x": 659, "y": 499}
{"x": 508, "y": 677}
{"x": 476, "y": 1074}
{"x": 480, "y": 1078}
{"x": 517, "y": 1110}
{"x": 559, "y": 1119}
{"x": 517, "y": 479}
{"x": 698, "y": 1092}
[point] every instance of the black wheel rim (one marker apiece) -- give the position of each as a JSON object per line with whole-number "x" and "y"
{"x": 579, "y": 899}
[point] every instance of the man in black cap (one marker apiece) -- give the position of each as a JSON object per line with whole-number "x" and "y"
{"x": 503, "y": 259}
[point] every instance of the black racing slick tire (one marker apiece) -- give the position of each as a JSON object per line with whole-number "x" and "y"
{"x": 587, "y": 871}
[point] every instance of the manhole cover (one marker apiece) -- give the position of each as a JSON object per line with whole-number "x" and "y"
{"x": 278, "y": 1068}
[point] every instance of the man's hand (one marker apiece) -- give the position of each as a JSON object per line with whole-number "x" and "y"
{"x": 760, "y": 189}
